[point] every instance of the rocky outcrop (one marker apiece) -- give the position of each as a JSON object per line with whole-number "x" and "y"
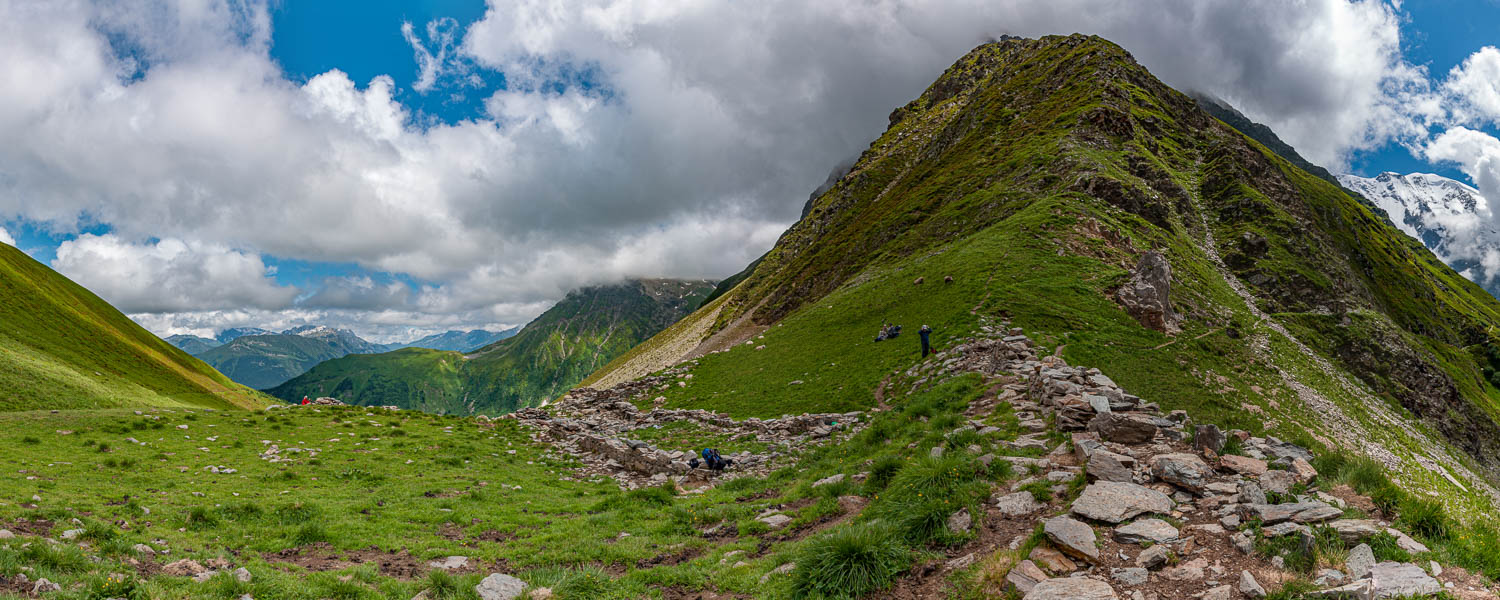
{"x": 1146, "y": 295}
{"x": 595, "y": 427}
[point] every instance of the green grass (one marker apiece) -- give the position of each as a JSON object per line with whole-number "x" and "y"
{"x": 63, "y": 347}
{"x": 462, "y": 494}
{"x": 850, "y": 562}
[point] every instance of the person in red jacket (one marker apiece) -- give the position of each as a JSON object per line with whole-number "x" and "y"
{"x": 305, "y": 401}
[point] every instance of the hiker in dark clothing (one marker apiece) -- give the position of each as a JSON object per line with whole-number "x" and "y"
{"x": 712, "y": 459}
{"x": 925, "y": 331}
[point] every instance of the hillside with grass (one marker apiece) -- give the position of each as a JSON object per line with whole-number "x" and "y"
{"x": 581, "y": 333}
{"x": 1035, "y": 175}
{"x": 63, "y": 347}
{"x": 1167, "y": 363}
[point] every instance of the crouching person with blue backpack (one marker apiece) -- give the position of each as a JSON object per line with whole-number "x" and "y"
{"x": 712, "y": 460}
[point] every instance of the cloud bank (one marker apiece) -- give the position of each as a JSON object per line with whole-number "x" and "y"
{"x": 633, "y": 138}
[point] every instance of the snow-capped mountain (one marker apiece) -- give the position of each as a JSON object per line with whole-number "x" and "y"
{"x": 1450, "y": 217}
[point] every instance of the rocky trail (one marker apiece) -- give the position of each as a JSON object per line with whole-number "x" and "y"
{"x": 1138, "y": 504}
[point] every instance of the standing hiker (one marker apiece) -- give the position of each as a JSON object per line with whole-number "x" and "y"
{"x": 925, "y": 331}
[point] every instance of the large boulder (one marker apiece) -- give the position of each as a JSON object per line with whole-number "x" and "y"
{"x": 1147, "y": 295}
{"x": 1115, "y": 501}
{"x": 1072, "y": 588}
{"x": 1186, "y": 471}
{"x": 1124, "y": 428}
{"x": 1072, "y": 537}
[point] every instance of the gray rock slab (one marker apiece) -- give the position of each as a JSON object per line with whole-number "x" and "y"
{"x": 1116, "y": 501}
{"x": 1072, "y": 588}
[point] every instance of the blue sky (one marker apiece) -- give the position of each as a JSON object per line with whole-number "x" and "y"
{"x": 312, "y": 37}
{"x": 404, "y": 167}
{"x": 1437, "y": 34}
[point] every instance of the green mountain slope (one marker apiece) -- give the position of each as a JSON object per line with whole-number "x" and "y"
{"x": 577, "y": 336}
{"x": 63, "y": 347}
{"x": 1036, "y": 174}
{"x": 266, "y": 360}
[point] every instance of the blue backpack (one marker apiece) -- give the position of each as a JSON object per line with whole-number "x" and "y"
{"x": 711, "y": 456}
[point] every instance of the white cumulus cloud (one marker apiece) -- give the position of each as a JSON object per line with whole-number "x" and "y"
{"x": 5, "y": 237}
{"x": 170, "y": 275}
{"x": 634, "y": 137}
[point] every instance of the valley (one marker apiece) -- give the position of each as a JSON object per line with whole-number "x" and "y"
{"x": 1169, "y": 362}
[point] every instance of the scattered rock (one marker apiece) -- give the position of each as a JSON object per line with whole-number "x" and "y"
{"x": 1303, "y": 471}
{"x": 1072, "y": 537}
{"x": 1131, "y": 576}
{"x": 1051, "y": 560}
{"x": 1188, "y": 571}
{"x": 1107, "y": 466}
{"x": 451, "y": 563}
{"x": 1123, "y": 428}
{"x": 960, "y": 521}
{"x": 776, "y": 521}
{"x": 781, "y": 570}
{"x": 499, "y": 586}
{"x": 43, "y": 586}
{"x": 1018, "y": 504}
{"x": 1278, "y": 482}
{"x": 1399, "y": 580}
{"x": 1354, "y": 531}
{"x": 1222, "y": 592}
{"x": 1300, "y": 512}
{"x": 1243, "y": 465}
{"x": 1208, "y": 437}
{"x": 829, "y": 480}
{"x": 184, "y": 568}
{"x": 1072, "y": 588}
{"x": 1155, "y": 531}
{"x": 1024, "y": 576}
{"x": 1114, "y": 501}
{"x": 1182, "y": 470}
{"x": 1405, "y": 542}
{"x": 1154, "y": 557}
{"x": 1250, "y": 587}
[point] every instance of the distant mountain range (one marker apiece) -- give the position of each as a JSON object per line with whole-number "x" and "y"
{"x": 261, "y": 359}
{"x": 581, "y": 333}
{"x": 1450, "y": 217}
{"x": 459, "y": 341}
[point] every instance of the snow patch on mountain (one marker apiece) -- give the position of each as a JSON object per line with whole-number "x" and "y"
{"x": 1450, "y": 217}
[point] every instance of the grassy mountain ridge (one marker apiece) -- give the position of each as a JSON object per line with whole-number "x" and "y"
{"x": 1036, "y": 173}
{"x": 63, "y": 347}
{"x": 266, "y": 360}
{"x": 577, "y": 336}
{"x": 193, "y": 344}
